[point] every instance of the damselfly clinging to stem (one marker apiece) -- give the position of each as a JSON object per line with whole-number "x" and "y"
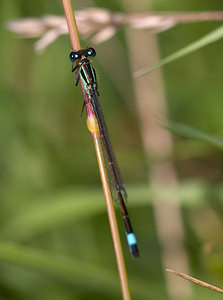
{"x": 85, "y": 71}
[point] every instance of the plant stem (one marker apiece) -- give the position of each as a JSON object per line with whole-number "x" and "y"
{"x": 72, "y": 25}
{"x": 197, "y": 281}
{"x": 94, "y": 129}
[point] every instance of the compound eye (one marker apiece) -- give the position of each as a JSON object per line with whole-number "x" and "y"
{"x": 91, "y": 52}
{"x": 74, "y": 56}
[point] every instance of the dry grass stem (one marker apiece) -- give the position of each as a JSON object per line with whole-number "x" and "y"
{"x": 112, "y": 219}
{"x": 100, "y": 24}
{"x": 93, "y": 127}
{"x": 197, "y": 281}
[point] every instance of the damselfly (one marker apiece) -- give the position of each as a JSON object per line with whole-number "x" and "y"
{"x": 84, "y": 70}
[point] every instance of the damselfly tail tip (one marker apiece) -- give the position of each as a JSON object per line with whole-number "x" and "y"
{"x": 134, "y": 250}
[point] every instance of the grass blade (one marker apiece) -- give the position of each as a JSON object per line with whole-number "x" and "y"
{"x": 193, "y": 133}
{"x": 65, "y": 207}
{"x": 211, "y": 37}
{"x": 76, "y": 271}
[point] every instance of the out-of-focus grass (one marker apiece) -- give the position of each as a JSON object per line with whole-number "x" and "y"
{"x": 61, "y": 208}
{"x": 55, "y": 239}
{"x": 194, "y": 133}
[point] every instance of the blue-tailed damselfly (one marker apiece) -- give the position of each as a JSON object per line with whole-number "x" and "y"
{"x": 84, "y": 70}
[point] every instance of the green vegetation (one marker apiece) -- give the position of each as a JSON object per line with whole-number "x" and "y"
{"x": 55, "y": 240}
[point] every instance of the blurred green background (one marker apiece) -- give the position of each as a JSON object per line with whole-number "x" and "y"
{"x": 55, "y": 239}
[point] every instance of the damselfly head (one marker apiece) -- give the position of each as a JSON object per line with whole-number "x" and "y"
{"x": 74, "y": 56}
{"x": 83, "y": 53}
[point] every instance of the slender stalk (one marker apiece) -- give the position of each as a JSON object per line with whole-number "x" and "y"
{"x": 197, "y": 281}
{"x": 72, "y": 25}
{"x": 94, "y": 129}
